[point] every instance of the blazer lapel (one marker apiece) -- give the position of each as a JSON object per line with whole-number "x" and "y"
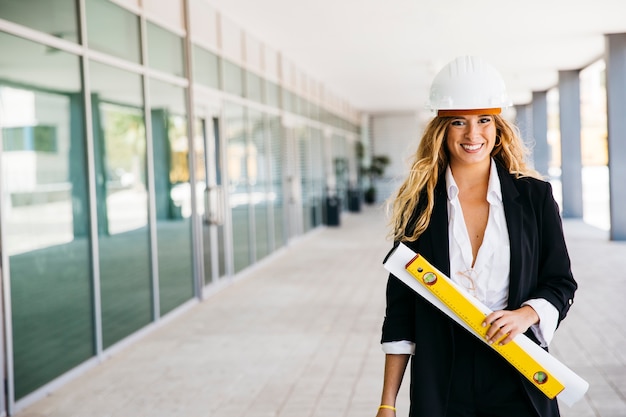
{"x": 438, "y": 229}
{"x": 513, "y": 213}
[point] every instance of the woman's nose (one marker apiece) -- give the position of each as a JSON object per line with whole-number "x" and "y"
{"x": 471, "y": 130}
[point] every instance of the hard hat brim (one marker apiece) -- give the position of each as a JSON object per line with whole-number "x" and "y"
{"x": 468, "y": 112}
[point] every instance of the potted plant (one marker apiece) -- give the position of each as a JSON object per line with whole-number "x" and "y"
{"x": 375, "y": 171}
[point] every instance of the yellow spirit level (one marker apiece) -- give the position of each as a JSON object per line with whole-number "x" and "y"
{"x": 441, "y": 287}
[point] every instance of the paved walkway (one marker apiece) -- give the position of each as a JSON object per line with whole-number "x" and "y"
{"x": 298, "y": 336}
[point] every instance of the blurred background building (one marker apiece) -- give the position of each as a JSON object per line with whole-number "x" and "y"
{"x": 153, "y": 150}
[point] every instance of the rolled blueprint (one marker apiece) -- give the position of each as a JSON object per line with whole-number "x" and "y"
{"x": 574, "y": 387}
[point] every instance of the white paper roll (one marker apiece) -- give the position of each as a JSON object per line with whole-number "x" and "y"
{"x": 575, "y": 386}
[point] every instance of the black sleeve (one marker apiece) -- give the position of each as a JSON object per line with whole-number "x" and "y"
{"x": 555, "y": 281}
{"x": 399, "y": 323}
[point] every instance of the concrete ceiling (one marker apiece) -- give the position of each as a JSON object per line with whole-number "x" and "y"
{"x": 382, "y": 55}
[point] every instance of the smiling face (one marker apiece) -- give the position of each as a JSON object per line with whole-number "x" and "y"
{"x": 470, "y": 139}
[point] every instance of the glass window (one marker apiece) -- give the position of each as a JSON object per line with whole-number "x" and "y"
{"x": 165, "y": 50}
{"x": 295, "y": 103}
{"x": 233, "y": 78}
{"x": 272, "y": 94}
{"x": 276, "y": 180}
{"x": 306, "y": 178}
{"x": 122, "y": 201}
{"x": 322, "y": 114}
{"x": 172, "y": 193}
{"x": 206, "y": 67}
{"x": 259, "y": 187}
{"x": 46, "y": 214}
{"x": 60, "y": 16}
{"x": 340, "y": 164}
{"x": 288, "y": 103}
{"x": 239, "y": 194}
{"x": 113, "y": 30}
{"x": 254, "y": 87}
{"x": 305, "y": 107}
{"x": 318, "y": 180}
{"x": 314, "y": 111}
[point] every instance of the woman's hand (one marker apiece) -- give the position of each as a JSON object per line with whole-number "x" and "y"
{"x": 504, "y": 325}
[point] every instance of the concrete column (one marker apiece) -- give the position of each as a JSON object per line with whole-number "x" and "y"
{"x": 524, "y": 121}
{"x": 615, "y": 57}
{"x": 571, "y": 155}
{"x": 541, "y": 150}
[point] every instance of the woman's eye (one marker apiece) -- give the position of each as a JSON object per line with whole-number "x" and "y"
{"x": 457, "y": 123}
{"x": 485, "y": 120}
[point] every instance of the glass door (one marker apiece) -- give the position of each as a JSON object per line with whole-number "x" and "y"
{"x": 292, "y": 164}
{"x": 3, "y": 398}
{"x": 46, "y": 261}
{"x": 211, "y": 196}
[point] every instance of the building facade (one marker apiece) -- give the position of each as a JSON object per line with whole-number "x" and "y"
{"x": 151, "y": 151}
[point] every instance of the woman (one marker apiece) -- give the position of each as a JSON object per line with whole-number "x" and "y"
{"x": 479, "y": 214}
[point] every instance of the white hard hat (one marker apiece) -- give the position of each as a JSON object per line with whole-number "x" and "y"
{"x": 468, "y": 83}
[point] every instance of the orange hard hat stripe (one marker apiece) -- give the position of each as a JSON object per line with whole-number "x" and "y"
{"x": 471, "y": 112}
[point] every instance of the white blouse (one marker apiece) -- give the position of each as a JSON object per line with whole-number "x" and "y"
{"x": 488, "y": 278}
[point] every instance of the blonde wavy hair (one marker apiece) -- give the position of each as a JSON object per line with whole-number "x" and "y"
{"x": 431, "y": 160}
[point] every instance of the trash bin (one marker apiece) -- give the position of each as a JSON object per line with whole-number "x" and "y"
{"x": 354, "y": 200}
{"x": 333, "y": 211}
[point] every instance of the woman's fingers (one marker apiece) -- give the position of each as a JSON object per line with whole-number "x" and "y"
{"x": 504, "y": 325}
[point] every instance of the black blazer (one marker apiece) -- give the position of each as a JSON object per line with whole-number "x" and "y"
{"x": 540, "y": 268}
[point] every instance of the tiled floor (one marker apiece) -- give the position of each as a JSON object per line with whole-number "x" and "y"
{"x": 298, "y": 336}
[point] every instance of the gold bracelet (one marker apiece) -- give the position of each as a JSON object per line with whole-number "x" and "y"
{"x": 388, "y": 407}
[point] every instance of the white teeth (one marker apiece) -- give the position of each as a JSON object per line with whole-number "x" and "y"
{"x": 472, "y": 147}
